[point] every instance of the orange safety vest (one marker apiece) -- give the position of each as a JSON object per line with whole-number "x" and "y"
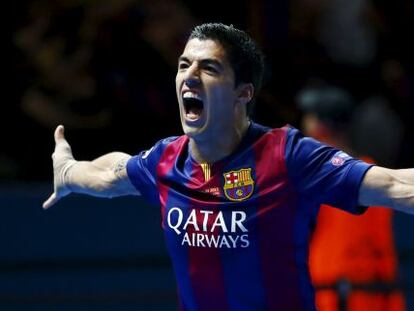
{"x": 359, "y": 249}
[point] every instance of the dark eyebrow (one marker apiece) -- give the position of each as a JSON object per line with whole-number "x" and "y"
{"x": 210, "y": 61}
{"x": 183, "y": 59}
{"x": 207, "y": 61}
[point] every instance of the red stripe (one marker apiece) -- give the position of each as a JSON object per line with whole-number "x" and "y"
{"x": 276, "y": 223}
{"x": 206, "y": 271}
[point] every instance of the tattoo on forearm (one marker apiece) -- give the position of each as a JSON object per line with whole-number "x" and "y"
{"x": 120, "y": 166}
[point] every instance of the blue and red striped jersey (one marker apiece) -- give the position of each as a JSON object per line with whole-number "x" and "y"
{"x": 239, "y": 239}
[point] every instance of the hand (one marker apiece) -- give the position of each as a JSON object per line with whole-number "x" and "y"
{"x": 62, "y": 161}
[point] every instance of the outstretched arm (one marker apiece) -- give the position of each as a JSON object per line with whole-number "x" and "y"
{"x": 387, "y": 187}
{"x": 105, "y": 176}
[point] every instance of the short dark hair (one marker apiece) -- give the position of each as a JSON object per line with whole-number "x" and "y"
{"x": 245, "y": 56}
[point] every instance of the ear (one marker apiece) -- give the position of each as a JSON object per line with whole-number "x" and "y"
{"x": 245, "y": 92}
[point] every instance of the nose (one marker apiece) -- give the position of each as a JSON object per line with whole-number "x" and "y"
{"x": 192, "y": 82}
{"x": 192, "y": 78}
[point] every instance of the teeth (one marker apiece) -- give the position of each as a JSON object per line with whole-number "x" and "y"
{"x": 191, "y": 95}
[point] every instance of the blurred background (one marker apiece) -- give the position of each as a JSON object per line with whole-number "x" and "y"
{"x": 106, "y": 70}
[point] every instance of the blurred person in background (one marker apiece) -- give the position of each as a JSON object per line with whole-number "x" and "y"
{"x": 346, "y": 249}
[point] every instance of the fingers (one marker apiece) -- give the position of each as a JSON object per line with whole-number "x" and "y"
{"x": 50, "y": 201}
{"x": 62, "y": 161}
{"x": 62, "y": 147}
{"x": 59, "y": 133}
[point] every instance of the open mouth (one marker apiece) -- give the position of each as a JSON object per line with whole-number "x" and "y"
{"x": 193, "y": 107}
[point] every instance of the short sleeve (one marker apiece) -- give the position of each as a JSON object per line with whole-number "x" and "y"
{"x": 142, "y": 170}
{"x": 324, "y": 174}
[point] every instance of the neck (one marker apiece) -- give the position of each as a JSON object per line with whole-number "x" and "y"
{"x": 218, "y": 146}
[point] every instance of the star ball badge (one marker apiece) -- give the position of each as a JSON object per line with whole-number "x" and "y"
{"x": 238, "y": 185}
{"x": 339, "y": 158}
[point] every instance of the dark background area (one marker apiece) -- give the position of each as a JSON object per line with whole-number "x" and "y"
{"x": 106, "y": 70}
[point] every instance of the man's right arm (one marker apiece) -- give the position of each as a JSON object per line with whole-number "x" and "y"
{"x": 105, "y": 176}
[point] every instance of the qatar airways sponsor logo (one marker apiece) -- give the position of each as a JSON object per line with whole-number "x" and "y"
{"x": 204, "y": 228}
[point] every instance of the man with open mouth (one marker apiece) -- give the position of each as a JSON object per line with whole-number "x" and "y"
{"x": 238, "y": 200}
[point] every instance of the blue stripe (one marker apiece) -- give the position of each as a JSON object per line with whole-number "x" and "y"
{"x": 242, "y": 267}
{"x": 305, "y": 220}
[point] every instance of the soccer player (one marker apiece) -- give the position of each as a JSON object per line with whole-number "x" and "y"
{"x": 356, "y": 249}
{"x": 238, "y": 200}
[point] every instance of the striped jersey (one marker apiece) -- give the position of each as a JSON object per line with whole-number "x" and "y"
{"x": 238, "y": 230}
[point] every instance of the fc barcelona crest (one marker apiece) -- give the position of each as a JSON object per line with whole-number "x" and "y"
{"x": 238, "y": 185}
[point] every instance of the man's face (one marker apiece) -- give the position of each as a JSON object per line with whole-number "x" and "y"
{"x": 206, "y": 92}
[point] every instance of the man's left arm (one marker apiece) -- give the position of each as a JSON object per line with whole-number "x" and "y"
{"x": 387, "y": 187}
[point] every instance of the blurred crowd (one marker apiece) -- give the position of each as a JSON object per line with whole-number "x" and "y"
{"x": 106, "y": 70}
